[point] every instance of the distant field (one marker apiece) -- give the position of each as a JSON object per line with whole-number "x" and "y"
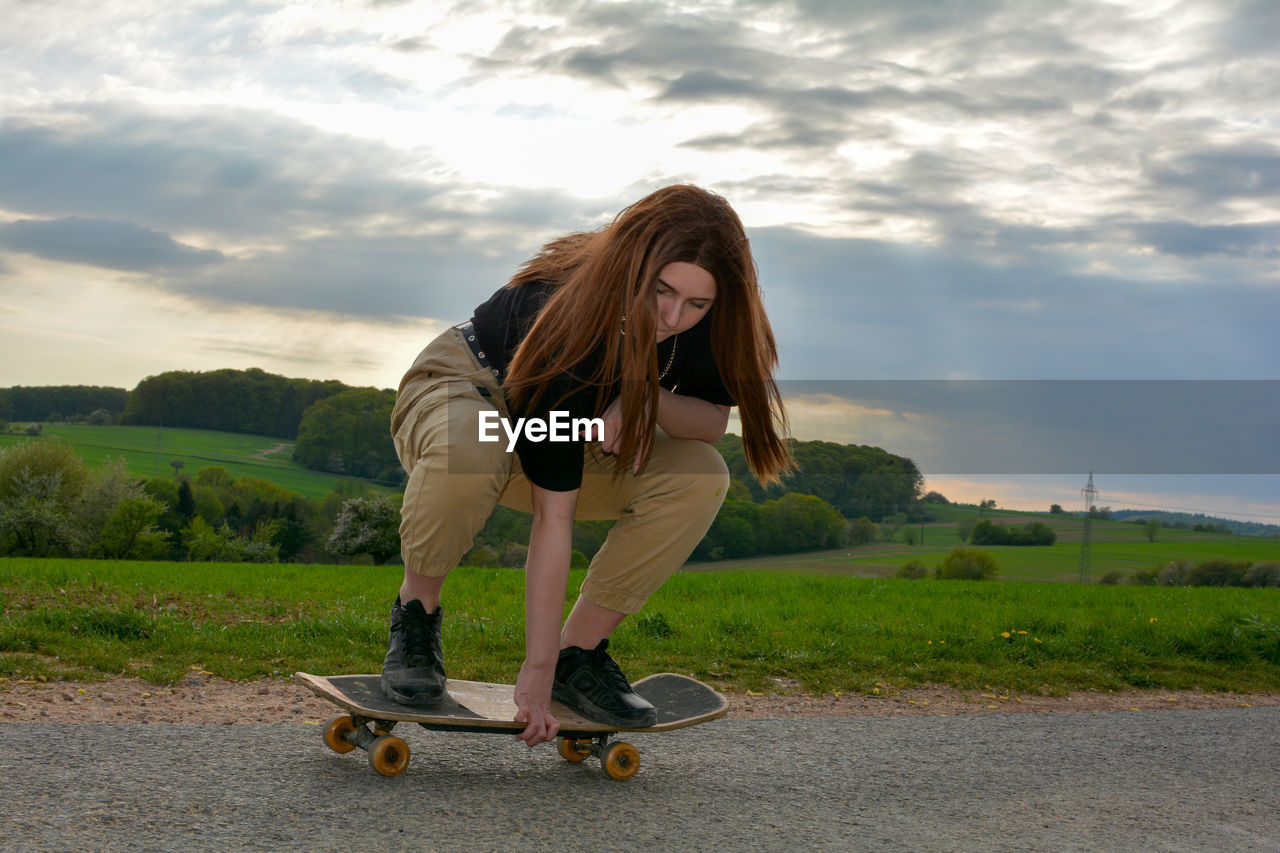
{"x": 1115, "y": 546}
{"x": 149, "y": 450}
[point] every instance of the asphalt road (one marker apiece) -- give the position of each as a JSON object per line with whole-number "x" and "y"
{"x": 1150, "y": 781}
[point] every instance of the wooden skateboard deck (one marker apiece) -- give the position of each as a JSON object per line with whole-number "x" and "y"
{"x": 476, "y": 706}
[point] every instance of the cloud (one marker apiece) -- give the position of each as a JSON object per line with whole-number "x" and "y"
{"x": 1189, "y": 240}
{"x": 240, "y": 173}
{"x": 868, "y": 309}
{"x": 1214, "y": 174}
{"x": 300, "y": 218}
{"x": 106, "y": 243}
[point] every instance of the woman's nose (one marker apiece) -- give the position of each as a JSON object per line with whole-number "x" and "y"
{"x": 670, "y": 315}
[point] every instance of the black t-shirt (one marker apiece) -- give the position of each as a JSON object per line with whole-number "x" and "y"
{"x": 501, "y": 324}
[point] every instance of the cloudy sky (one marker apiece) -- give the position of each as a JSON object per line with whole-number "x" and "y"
{"x": 979, "y": 190}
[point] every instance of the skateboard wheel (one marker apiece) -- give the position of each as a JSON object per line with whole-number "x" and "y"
{"x": 389, "y": 755}
{"x": 333, "y": 733}
{"x": 621, "y": 761}
{"x": 571, "y": 752}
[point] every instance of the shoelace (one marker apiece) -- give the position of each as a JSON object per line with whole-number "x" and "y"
{"x": 611, "y": 671}
{"x": 417, "y": 641}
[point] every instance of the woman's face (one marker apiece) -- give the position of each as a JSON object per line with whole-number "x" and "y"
{"x": 685, "y": 295}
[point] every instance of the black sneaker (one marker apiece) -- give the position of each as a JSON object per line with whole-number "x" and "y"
{"x": 589, "y": 682}
{"x": 413, "y": 673}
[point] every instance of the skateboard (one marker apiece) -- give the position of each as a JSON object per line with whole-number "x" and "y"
{"x": 477, "y": 706}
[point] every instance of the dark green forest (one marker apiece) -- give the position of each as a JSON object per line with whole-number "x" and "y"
{"x": 59, "y": 402}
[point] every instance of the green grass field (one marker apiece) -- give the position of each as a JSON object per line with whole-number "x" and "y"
{"x": 149, "y": 450}
{"x": 740, "y": 630}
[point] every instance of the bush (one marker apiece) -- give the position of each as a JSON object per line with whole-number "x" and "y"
{"x": 1174, "y": 573}
{"x": 654, "y": 625}
{"x": 1144, "y": 577}
{"x": 481, "y": 555}
{"x": 514, "y": 555}
{"x": 1110, "y": 578}
{"x": 968, "y": 564}
{"x": 913, "y": 570}
{"x": 367, "y": 525}
{"x": 1266, "y": 574}
{"x": 1217, "y": 573}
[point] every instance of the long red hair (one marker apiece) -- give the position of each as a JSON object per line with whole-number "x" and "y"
{"x": 605, "y": 283}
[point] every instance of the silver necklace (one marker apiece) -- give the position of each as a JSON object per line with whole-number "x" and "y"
{"x": 671, "y": 360}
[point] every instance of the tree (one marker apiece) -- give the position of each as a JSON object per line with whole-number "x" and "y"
{"x": 99, "y": 417}
{"x": 964, "y": 529}
{"x": 186, "y": 500}
{"x": 1056, "y": 509}
{"x": 892, "y": 526}
{"x": 797, "y": 522}
{"x": 40, "y": 481}
{"x": 1151, "y": 528}
{"x": 177, "y": 465}
{"x": 347, "y": 433}
{"x": 130, "y": 533}
{"x": 985, "y": 505}
{"x": 367, "y": 525}
{"x": 863, "y": 531}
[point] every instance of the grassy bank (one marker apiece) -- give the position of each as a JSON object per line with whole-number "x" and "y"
{"x": 740, "y": 630}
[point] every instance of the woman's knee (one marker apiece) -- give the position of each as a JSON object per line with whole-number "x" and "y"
{"x": 700, "y": 468}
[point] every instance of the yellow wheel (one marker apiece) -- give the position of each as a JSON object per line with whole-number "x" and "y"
{"x": 333, "y": 733}
{"x": 621, "y": 761}
{"x": 389, "y": 755}
{"x": 570, "y": 751}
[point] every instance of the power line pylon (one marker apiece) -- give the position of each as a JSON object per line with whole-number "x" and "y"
{"x": 1090, "y": 494}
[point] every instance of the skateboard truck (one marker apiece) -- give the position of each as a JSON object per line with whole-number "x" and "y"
{"x": 619, "y": 760}
{"x": 388, "y": 755}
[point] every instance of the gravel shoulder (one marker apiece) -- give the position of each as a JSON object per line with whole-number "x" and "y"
{"x": 203, "y": 699}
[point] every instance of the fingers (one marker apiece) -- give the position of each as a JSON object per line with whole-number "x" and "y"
{"x": 541, "y": 729}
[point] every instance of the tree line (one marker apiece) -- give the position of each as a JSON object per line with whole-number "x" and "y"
{"x": 339, "y": 429}
{"x": 838, "y": 494}
{"x": 59, "y": 402}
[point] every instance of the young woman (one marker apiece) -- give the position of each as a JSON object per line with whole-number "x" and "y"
{"x": 654, "y": 324}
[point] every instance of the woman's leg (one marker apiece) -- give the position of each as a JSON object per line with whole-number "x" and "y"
{"x": 454, "y": 482}
{"x": 661, "y": 515}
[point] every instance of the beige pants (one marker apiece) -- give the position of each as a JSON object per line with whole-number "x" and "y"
{"x": 455, "y": 481}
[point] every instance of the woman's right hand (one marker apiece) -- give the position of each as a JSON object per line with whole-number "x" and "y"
{"x": 533, "y": 703}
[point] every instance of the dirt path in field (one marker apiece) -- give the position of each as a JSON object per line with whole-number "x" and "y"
{"x": 272, "y": 451}
{"x": 200, "y": 698}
